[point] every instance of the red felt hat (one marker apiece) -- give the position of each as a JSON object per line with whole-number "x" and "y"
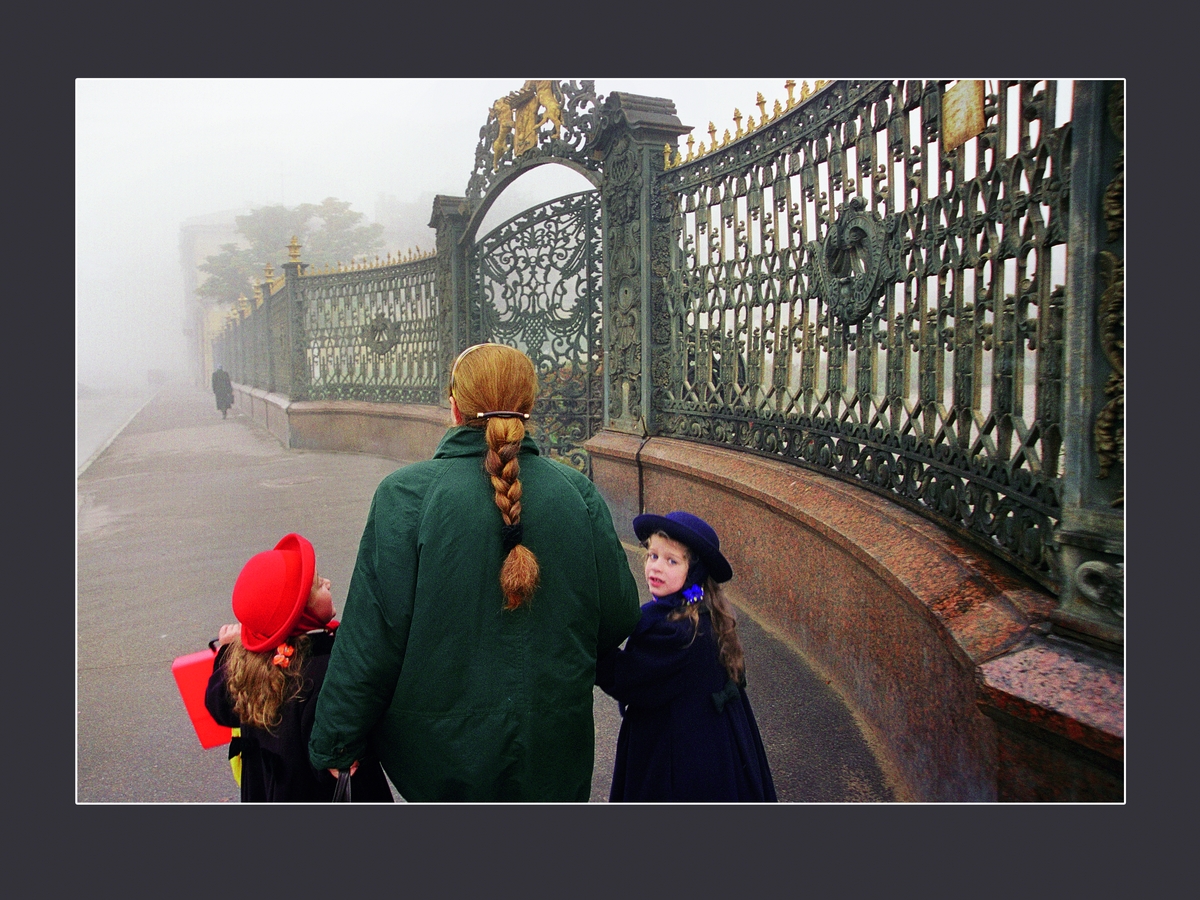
{"x": 272, "y": 591}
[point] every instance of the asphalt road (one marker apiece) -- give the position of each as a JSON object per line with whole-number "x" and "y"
{"x": 172, "y": 507}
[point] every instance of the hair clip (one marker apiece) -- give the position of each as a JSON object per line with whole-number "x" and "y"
{"x": 282, "y": 654}
{"x": 693, "y": 593}
{"x": 502, "y": 414}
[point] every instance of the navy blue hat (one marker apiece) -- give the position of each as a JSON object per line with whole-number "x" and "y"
{"x": 692, "y": 531}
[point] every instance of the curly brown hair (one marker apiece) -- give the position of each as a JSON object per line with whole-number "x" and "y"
{"x": 729, "y": 646}
{"x": 258, "y": 687}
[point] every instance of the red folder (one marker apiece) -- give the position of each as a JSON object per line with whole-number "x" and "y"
{"x": 191, "y": 675}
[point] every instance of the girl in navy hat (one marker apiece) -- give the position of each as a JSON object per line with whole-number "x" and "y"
{"x": 687, "y": 730}
{"x": 268, "y": 671}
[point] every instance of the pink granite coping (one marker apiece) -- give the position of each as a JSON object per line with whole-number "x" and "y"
{"x": 1063, "y": 691}
{"x": 981, "y": 610}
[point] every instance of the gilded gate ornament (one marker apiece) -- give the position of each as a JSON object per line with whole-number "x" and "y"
{"x": 521, "y": 114}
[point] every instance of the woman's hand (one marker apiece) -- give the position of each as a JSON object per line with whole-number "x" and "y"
{"x": 353, "y": 769}
{"x": 228, "y": 633}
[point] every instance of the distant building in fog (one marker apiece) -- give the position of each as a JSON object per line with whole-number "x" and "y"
{"x": 405, "y": 227}
{"x": 199, "y": 238}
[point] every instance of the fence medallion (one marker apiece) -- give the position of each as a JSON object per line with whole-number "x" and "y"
{"x": 850, "y": 261}
{"x": 380, "y": 335}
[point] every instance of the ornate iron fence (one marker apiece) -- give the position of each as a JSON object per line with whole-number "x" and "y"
{"x": 851, "y": 291}
{"x": 872, "y": 282}
{"x": 372, "y": 334}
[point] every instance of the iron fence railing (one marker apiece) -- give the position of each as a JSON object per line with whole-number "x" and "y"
{"x": 849, "y": 293}
{"x": 872, "y": 282}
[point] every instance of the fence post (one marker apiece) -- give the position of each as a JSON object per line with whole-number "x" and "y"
{"x": 636, "y": 220}
{"x": 449, "y": 220}
{"x": 293, "y": 342}
{"x": 1091, "y": 530}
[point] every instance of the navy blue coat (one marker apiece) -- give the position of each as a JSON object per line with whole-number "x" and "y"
{"x": 688, "y": 733}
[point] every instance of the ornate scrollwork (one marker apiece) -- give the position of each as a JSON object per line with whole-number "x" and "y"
{"x": 1114, "y": 195}
{"x": 536, "y": 285}
{"x": 1109, "y": 429}
{"x": 1102, "y": 585}
{"x": 540, "y": 120}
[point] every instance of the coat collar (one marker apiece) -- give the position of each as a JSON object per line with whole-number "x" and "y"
{"x": 466, "y": 440}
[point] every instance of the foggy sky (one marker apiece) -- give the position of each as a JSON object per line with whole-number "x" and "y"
{"x": 152, "y": 153}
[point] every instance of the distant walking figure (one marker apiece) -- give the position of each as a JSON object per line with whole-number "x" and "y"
{"x": 222, "y": 388}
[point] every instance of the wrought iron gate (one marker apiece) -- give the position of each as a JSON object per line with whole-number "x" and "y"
{"x": 536, "y": 285}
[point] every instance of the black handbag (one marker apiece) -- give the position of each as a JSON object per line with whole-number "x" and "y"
{"x": 341, "y": 792}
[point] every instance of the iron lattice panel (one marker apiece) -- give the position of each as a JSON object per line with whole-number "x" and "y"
{"x": 373, "y": 334}
{"x": 537, "y": 287}
{"x": 847, "y": 296}
{"x": 281, "y": 380}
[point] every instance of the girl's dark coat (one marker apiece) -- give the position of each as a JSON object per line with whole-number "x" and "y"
{"x": 687, "y": 730}
{"x": 275, "y": 767}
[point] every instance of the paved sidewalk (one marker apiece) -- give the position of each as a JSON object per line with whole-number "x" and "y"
{"x": 170, "y": 511}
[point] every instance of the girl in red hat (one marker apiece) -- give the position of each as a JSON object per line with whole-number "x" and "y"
{"x": 687, "y": 730}
{"x": 268, "y": 671}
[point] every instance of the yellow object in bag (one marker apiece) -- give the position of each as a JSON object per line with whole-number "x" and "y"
{"x": 235, "y": 755}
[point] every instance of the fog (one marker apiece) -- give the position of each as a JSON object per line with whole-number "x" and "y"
{"x": 151, "y": 154}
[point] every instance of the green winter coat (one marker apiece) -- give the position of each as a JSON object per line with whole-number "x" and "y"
{"x": 463, "y": 699}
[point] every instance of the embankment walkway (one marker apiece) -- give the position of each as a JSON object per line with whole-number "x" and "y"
{"x": 170, "y": 511}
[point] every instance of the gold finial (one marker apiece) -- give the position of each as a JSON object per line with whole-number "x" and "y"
{"x": 690, "y": 142}
{"x": 700, "y": 151}
{"x": 676, "y": 160}
{"x": 749, "y": 124}
{"x": 294, "y": 249}
{"x": 762, "y": 108}
{"x": 666, "y": 156}
{"x": 268, "y": 271}
{"x": 790, "y": 84}
{"x": 725, "y": 138}
{"x": 737, "y": 117}
{"x": 804, "y": 91}
{"x": 821, "y": 83}
{"x": 712, "y": 133}
{"x": 777, "y": 112}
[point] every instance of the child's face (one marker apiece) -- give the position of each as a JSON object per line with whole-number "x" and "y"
{"x": 320, "y": 599}
{"x": 666, "y": 565}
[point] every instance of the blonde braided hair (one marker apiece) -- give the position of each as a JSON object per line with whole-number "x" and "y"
{"x": 494, "y": 387}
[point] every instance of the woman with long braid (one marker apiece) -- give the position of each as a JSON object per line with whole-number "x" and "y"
{"x": 488, "y": 580}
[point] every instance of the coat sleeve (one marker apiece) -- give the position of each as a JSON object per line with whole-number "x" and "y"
{"x": 653, "y": 667}
{"x": 216, "y": 695}
{"x": 371, "y": 639}
{"x": 619, "y": 609}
